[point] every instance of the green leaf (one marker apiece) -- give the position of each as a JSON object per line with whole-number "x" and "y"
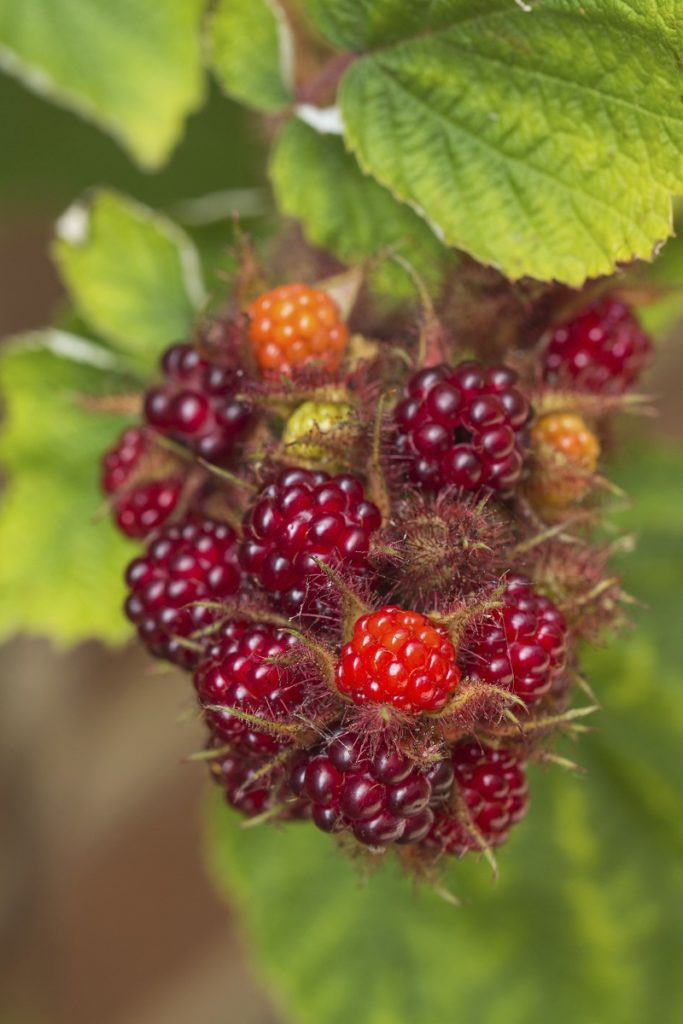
{"x": 132, "y": 274}
{"x": 344, "y": 210}
{"x": 61, "y": 571}
{"x": 131, "y": 66}
{"x": 583, "y": 922}
{"x": 363, "y": 24}
{"x": 251, "y": 53}
{"x": 545, "y": 142}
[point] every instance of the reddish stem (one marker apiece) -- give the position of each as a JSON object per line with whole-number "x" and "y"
{"x": 322, "y": 88}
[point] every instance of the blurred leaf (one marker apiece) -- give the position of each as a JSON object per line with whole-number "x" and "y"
{"x": 251, "y": 52}
{"x": 61, "y": 571}
{"x": 344, "y": 210}
{"x": 131, "y": 66}
{"x": 133, "y": 275}
{"x": 584, "y": 923}
{"x": 541, "y": 138}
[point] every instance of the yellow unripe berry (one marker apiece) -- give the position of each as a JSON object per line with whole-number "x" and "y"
{"x": 319, "y": 433}
{"x": 565, "y": 455}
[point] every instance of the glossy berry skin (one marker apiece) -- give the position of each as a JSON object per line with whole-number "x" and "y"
{"x": 238, "y": 671}
{"x": 380, "y": 796}
{"x": 399, "y": 658}
{"x": 565, "y": 455}
{"x": 140, "y": 503}
{"x": 492, "y": 787}
{"x": 603, "y": 350}
{"x": 521, "y": 646}
{"x": 249, "y": 790}
{"x": 185, "y": 563}
{"x": 233, "y": 773}
{"x": 461, "y": 427}
{"x": 294, "y": 325}
{"x": 197, "y": 404}
{"x": 303, "y": 516}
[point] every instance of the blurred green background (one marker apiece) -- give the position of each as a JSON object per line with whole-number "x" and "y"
{"x": 105, "y": 914}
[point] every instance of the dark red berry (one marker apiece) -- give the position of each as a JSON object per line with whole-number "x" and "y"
{"x": 604, "y": 349}
{"x": 198, "y": 403}
{"x": 380, "y": 795}
{"x": 460, "y": 427}
{"x": 521, "y": 646}
{"x": 236, "y": 775}
{"x": 185, "y": 564}
{"x": 400, "y": 658}
{"x": 254, "y": 785}
{"x": 304, "y": 516}
{"x": 240, "y": 671}
{"x": 492, "y": 790}
{"x": 143, "y": 483}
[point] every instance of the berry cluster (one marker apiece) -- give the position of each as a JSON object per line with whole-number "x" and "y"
{"x": 603, "y": 350}
{"x": 521, "y": 645}
{"x": 144, "y": 483}
{"x": 198, "y": 404}
{"x": 176, "y": 586}
{"x": 299, "y": 521}
{"x": 491, "y": 798}
{"x": 462, "y": 427}
{"x": 381, "y": 796}
{"x": 373, "y": 578}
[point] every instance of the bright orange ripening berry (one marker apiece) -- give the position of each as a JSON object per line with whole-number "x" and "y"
{"x": 295, "y": 325}
{"x": 566, "y": 453}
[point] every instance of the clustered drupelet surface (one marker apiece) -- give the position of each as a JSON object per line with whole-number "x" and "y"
{"x": 332, "y": 689}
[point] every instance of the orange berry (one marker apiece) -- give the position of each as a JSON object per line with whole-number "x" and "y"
{"x": 566, "y": 453}
{"x": 293, "y": 325}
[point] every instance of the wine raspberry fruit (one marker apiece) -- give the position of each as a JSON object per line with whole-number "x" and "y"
{"x": 399, "y": 658}
{"x": 253, "y": 785}
{"x": 143, "y": 484}
{"x": 304, "y": 516}
{"x": 235, "y": 774}
{"x": 461, "y": 426}
{"x": 603, "y": 350}
{"x": 184, "y": 565}
{"x": 521, "y": 646}
{"x": 492, "y": 790}
{"x": 198, "y": 403}
{"x": 240, "y": 671}
{"x": 381, "y": 796}
{"x": 295, "y": 325}
{"x": 311, "y": 432}
{"x": 565, "y": 452}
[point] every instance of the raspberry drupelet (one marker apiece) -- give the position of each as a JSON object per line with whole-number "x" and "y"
{"x": 380, "y": 795}
{"x": 198, "y": 403}
{"x": 184, "y": 565}
{"x": 144, "y": 484}
{"x": 461, "y": 427}
{"x": 294, "y": 325}
{"x": 603, "y": 350}
{"x": 521, "y": 646}
{"x": 240, "y": 670}
{"x": 399, "y": 658}
{"x": 492, "y": 789}
{"x": 301, "y": 517}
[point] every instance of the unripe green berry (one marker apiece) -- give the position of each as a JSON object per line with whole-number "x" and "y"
{"x": 317, "y": 433}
